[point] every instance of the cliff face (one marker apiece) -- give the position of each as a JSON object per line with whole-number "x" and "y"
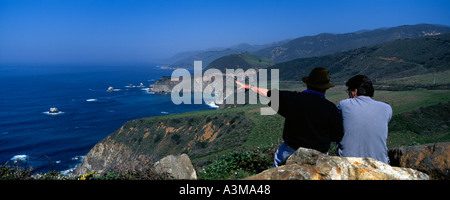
{"x": 151, "y": 139}
{"x": 164, "y": 85}
{"x": 106, "y": 155}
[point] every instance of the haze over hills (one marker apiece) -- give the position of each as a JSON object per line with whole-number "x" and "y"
{"x": 310, "y": 46}
{"x": 186, "y": 59}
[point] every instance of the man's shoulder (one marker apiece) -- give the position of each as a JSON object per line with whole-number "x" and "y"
{"x": 368, "y": 101}
{"x": 345, "y": 102}
{"x": 383, "y": 104}
{"x": 379, "y": 103}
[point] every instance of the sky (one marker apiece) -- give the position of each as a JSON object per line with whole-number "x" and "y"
{"x": 145, "y": 31}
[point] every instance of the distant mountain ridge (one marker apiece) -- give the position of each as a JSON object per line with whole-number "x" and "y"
{"x": 396, "y": 59}
{"x": 186, "y": 59}
{"x": 326, "y": 43}
{"x": 310, "y": 46}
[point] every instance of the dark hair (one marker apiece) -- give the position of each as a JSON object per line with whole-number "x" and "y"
{"x": 362, "y": 83}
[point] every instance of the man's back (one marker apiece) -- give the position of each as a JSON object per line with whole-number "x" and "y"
{"x": 365, "y": 128}
{"x": 310, "y": 121}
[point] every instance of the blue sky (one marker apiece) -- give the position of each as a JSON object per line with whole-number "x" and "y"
{"x": 138, "y": 31}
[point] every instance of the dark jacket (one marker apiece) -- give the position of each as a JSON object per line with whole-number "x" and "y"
{"x": 311, "y": 121}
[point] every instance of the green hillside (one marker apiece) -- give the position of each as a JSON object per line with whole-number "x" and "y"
{"x": 421, "y": 126}
{"x": 397, "y": 59}
{"x": 242, "y": 60}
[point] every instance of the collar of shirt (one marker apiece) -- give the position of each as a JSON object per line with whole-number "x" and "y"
{"x": 315, "y": 92}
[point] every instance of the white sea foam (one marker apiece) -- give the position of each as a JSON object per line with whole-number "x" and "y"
{"x": 49, "y": 113}
{"x": 78, "y": 158}
{"x": 69, "y": 172}
{"x": 91, "y": 100}
{"x": 164, "y": 112}
{"x": 212, "y": 104}
{"x": 147, "y": 90}
{"x": 19, "y": 157}
{"x": 114, "y": 90}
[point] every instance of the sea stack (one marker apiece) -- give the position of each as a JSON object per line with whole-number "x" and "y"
{"x": 110, "y": 89}
{"x": 53, "y": 110}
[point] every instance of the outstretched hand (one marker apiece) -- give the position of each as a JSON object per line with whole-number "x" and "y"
{"x": 241, "y": 85}
{"x": 261, "y": 91}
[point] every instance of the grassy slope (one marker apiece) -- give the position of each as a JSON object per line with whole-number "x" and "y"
{"x": 434, "y": 78}
{"x": 424, "y": 125}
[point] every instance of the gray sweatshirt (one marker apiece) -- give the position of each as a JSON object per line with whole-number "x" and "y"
{"x": 365, "y": 128}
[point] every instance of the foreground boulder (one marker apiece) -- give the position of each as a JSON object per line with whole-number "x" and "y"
{"x": 176, "y": 167}
{"x": 433, "y": 159}
{"x": 309, "y": 164}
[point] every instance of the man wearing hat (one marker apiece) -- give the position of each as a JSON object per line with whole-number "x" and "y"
{"x": 311, "y": 121}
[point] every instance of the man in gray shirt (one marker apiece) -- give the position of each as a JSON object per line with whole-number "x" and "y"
{"x": 365, "y": 122}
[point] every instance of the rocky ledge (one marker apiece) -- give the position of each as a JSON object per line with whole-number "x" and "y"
{"x": 433, "y": 159}
{"x": 309, "y": 164}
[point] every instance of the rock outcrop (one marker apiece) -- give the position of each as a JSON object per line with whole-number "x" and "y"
{"x": 433, "y": 159}
{"x": 104, "y": 156}
{"x": 164, "y": 85}
{"x": 309, "y": 164}
{"x": 176, "y": 167}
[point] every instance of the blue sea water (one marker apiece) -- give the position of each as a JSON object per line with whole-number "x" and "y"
{"x": 88, "y": 111}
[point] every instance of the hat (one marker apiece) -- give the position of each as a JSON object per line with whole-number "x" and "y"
{"x": 318, "y": 78}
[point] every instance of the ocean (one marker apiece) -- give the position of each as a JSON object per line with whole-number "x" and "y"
{"x": 88, "y": 112}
